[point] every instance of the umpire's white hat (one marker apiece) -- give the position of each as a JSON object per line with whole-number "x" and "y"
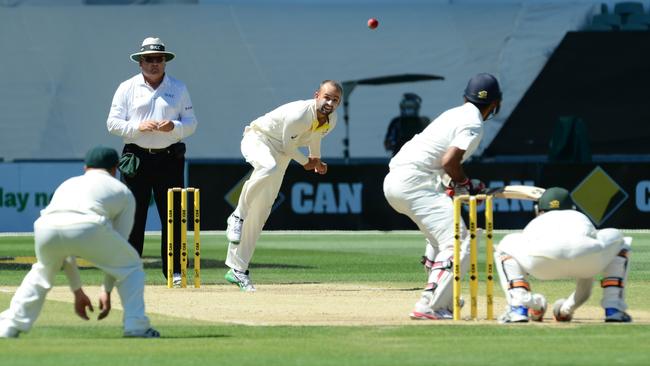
{"x": 152, "y": 45}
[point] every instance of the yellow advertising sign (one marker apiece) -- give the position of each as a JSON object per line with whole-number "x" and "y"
{"x": 598, "y": 196}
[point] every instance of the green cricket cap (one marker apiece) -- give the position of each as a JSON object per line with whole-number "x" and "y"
{"x": 101, "y": 157}
{"x": 555, "y": 198}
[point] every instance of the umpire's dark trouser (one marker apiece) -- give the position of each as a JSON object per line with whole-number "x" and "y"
{"x": 159, "y": 170}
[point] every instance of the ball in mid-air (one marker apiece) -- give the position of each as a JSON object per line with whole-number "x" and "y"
{"x": 373, "y": 23}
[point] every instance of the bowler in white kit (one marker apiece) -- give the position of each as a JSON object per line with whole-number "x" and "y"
{"x": 562, "y": 243}
{"x": 89, "y": 216}
{"x": 269, "y": 144}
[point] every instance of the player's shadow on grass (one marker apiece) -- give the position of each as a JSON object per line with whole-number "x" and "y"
{"x": 11, "y": 263}
{"x": 193, "y": 336}
{"x": 409, "y": 289}
{"x": 9, "y": 266}
{"x": 151, "y": 262}
{"x": 109, "y": 333}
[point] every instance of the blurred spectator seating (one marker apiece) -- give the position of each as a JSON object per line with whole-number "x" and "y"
{"x": 642, "y": 18}
{"x": 633, "y": 27}
{"x": 627, "y": 8}
{"x": 627, "y": 16}
{"x": 613, "y": 21}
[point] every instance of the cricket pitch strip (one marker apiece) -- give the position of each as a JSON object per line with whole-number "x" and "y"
{"x": 318, "y": 304}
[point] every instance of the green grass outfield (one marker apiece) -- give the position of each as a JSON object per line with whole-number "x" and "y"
{"x": 60, "y": 338}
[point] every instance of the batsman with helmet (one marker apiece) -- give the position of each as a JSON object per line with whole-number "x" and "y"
{"x": 414, "y": 187}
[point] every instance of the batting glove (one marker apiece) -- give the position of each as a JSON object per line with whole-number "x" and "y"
{"x": 468, "y": 186}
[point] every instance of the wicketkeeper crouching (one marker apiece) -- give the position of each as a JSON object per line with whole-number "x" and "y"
{"x": 562, "y": 243}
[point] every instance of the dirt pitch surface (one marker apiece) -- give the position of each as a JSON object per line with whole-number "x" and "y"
{"x": 309, "y": 304}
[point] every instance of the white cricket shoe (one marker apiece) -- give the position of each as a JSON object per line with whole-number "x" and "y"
{"x": 9, "y": 332}
{"x": 514, "y": 314}
{"x": 241, "y": 279}
{"x": 176, "y": 281}
{"x": 233, "y": 231}
{"x": 429, "y": 314}
{"x": 613, "y": 315}
{"x": 147, "y": 333}
{"x": 423, "y": 310}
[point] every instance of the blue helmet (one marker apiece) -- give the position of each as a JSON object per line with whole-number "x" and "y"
{"x": 483, "y": 89}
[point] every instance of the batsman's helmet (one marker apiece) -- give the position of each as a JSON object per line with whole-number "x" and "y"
{"x": 555, "y": 198}
{"x": 483, "y": 89}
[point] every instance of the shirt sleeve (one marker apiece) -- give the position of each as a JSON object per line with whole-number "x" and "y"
{"x": 314, "y": 147}
{"x": 116, "y": 122}
{"x": 293, "y": 128}
{"x": 186, "y": 124}
{"x": 315, "y": 143}
{"x": 109, "y": 283}
{"x": 465, "y": 138}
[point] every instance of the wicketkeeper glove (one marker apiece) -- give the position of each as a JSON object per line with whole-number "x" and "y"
{"x": 468, "y": 186}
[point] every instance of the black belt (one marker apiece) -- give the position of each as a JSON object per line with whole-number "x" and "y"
{"x": 147, "y": 150}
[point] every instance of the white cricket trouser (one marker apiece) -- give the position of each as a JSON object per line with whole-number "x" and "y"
{"x": 603, "y": 258}
{"x": 257, "y": 195}
{"x": 96, "y": 243}
{"x": 418, "y": 196}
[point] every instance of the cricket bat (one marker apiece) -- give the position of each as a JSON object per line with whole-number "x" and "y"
{"x": 515, "y": 192}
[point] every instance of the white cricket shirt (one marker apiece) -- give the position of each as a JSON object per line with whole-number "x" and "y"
{"x": 135, "y": 101}
{"x": 95, "y": 196}
{"x": 560, "y": 234}
{"x": 461, "y": 127}
{"x": 293, "y": 125}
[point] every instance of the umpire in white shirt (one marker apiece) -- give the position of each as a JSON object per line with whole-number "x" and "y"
{"x": 152, "y": 112}
{"x": 90, "y": 217}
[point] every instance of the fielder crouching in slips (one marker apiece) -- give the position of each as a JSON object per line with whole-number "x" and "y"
{"x": 562, "y": 243}
{"x": 269, "y": 144}
{"x": 414, "y": 187}
{"x": 89, "y": 216}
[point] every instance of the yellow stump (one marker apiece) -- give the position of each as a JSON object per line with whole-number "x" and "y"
{"x": 473, "y": 258}
{"x": 473, "y": 254}
{"x": 170, "y": 238}
{"x": 183, "y": 237}
{"x": 489, "y": 258}
{"x": 457, "y": 244}
{"x": 197, "y": 238}
{"x": 183, "y": 232}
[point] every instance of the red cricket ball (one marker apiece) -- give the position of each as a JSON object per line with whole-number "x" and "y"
{"x": 373, "y": 23}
